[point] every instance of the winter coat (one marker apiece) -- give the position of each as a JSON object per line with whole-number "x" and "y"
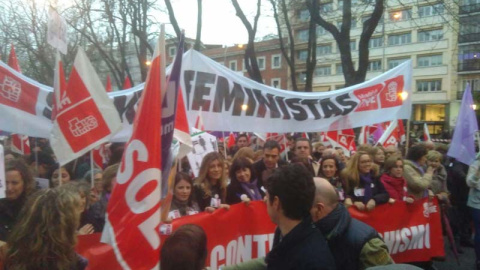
{"x": 473, "y": 181}
{"x": 439, "y": 180}
{"x": 396, "y": 187}
{"x": 417, "y": 181}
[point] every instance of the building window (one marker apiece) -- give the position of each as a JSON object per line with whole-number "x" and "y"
{"x": 474, "y": 84}
{"x": 338, "y": 69}
{"x": 261, "y": 63}
{"x": 429, "y": 60}
{"x": 395, "y": 62}
{"x": 375, "y": 65}
{"x": 353, "y": 23}
{"x": 400, "y": 39}
{"x": 327, "y": 7}
{"x": 324, "y": 49}
{"x": 233, "y": 65}
{"x": 430, "y": 35}
{"x": 400, "y": 15}
{"x": 302, "y": 55}
{"x": 375, "y": 42}
{"x": 302, "y": 77}
{"x": 303, "y": 15}
{"x": 302, "y": 35}
{"x": 321, "y": 30}
{"x": 429, "y": 86}
{"x": 323, "y": 71}
{"x": 276, "y": 61}
{"x": 276, "y": 82}
{"x": 172, "y": 51}
{"x": 353, "y": 45}
{"x": 430, "y": 10}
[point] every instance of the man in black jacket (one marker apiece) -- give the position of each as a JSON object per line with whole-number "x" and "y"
{"x": 270, "y": 161}
{"x": 297, "y": 244}
{"x": 344, "y": 233}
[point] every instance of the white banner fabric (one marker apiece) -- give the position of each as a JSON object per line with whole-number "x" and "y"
{"x": 227, "y": 101}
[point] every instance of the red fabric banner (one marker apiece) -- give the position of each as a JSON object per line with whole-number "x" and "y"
{"x": 412, "y": 233}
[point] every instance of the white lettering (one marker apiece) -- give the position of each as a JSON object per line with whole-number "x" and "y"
{"x": 261, "y": 241}
{"x": 217, "y": 255}
{"x": 231, "y": 252}
{"x": 244, "y": 249}
{"x": 142, "y": 155}
{"x": 415, "y": 237}
{"x": 152, "y": 199}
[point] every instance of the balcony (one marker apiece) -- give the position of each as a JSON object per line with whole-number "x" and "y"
{"x": 466, "y": 9}
{"x": 469, "y": 66}
{"x": 470, "y": 37}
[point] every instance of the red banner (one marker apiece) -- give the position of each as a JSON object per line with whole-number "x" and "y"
{"x": 411, "y": 232}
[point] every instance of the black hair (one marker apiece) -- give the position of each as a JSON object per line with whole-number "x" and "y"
{"x": 335, "y": 159}
{"x": 42, "y": 158}
{"x": 416, "y": 152}
{"x": 241, "y": 135}
{"x": 301, "y": 139}
{"x": 184, "y": 176}
{"x": 294, "y": 186}
{"x": 238, "y": 164}
{"x": 271, "y": 144}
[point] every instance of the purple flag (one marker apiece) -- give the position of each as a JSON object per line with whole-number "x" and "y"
{"x": 462, "y": 146}
{"x": 378, "y": 132}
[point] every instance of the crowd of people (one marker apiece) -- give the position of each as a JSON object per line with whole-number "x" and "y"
{"x": 307, "y": 188}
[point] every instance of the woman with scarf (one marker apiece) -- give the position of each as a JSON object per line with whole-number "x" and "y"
{"x": 363, "y": 186}
{"x": 243, "y": 184}
{"x": 393, "y": 180}
{"x": 210, "y": 187}
{"x": 418, "y": 179}
{"x": 182, "y": 202}
{"x": 19, "y": 185}
{"x": 329, "y": 169}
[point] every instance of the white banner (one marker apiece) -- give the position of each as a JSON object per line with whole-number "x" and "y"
{"x": 227, "y": 101}
{"x": 57, "y": 31}
{"x": 3, "y": 184}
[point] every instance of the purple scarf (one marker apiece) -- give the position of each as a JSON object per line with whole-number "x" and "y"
{"x": 367, "y": 185}
{"x": 251, "y": 190}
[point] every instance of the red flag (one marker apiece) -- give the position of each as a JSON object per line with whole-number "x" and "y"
{"x": 401, "y": 131}
{"x": 20, "y": 144}
{"x": 231, "y": 140}
{"x": 133, "y": 213}
{"x": 182, "y": 129}
{"x": 100, "y": 156}
{"x": 12, "y": 60}
{"x": 85, "y": 117}
{"x": 199, "y": 122}
{"x": 344, "y": 139}
{"x": 390, "y": 136}
{"x": 127, "y": 84}
{"x": 108, "y": 87}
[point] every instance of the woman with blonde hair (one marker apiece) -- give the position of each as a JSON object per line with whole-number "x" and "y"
{"x": 46, "y": 233}
{"x": 363, "y": 186}
{"x": 210, "y": 187}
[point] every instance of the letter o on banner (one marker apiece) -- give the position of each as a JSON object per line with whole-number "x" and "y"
{"x": 152, "y": 199}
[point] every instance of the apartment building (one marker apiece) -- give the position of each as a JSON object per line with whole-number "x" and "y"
{"x": 421, "y": 31}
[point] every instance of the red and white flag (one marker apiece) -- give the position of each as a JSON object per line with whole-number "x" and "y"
{"x": 363, "y": 135}
{"x": 280, "y": 138}
{"x": 199, "y": 122}
{"x": 85, "y": 117}
{"x": 390, "y": 135}
{"x": 20, "y": 143}
{"x": 344, "y": 139}
{"x": 127, "y": 84}
{"x": 401, "y": 132}
{"x": 426, "y": 133}
{"x": 100, "y": 156}
{"x": 133, "y": 213}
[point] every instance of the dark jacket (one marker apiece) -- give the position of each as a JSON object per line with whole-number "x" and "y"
{"x": 260, "y": 167}
{"x": 9, "y": 210}
{"x": 203, "y": 199}
{"x": 379, "y": 194}
{"x": 97, "y": 213}
{"x": 346, "y": 237}
{"x": 235, "y": 191}
{"x": 304, "y": 247}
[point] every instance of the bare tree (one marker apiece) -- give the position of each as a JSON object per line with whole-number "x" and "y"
{"x": 251, "y": 64}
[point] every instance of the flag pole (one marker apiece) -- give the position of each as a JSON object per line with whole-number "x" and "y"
{"x": 36, "y": 157}
{"x": 91, "y": 168}
{"x": 478, "y": 139}
{"x": 407, "y": 142}
{"x": 224, "y": 145}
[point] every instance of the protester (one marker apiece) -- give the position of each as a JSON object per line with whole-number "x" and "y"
{"x": 94, "y": 177}
{"x": 9, "y": 155}
{"x": 363, "y": 186}
{"x": 109, "y": 178}
{"x": 82, "y": 188}
{"x": 183, "y": 203}
{"x": 243, "y": 184}
{"x": 418, "y": 180}
{"x": 60, "y": 176}
{"x": 329, "y": 170}
{"x": 45, "y": 235}
{"x": 303, "y": 150}
{"x": 185, "y": 249}
{"x": 378, "y": 154}
{"x": 41, "y": 163}
{"x": 246, "y": 152}
{"x": 288, "y": 154}
{"x": 240, "y": 142}
{"x": 19, "y": 185}
{"x": 210, "y": 189}
{"x": 271, "y": 160}
{"x": 390, "y": 151}
{"x": 354, "y": 244}
{"x": 393, "y": 180}
{"x": 318, "y": 151}
{"x": 473, "y": 181}
{"x": 296, "y": 244}
{"x": 439, "y": 176}
{"x": 341, "y": 155}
